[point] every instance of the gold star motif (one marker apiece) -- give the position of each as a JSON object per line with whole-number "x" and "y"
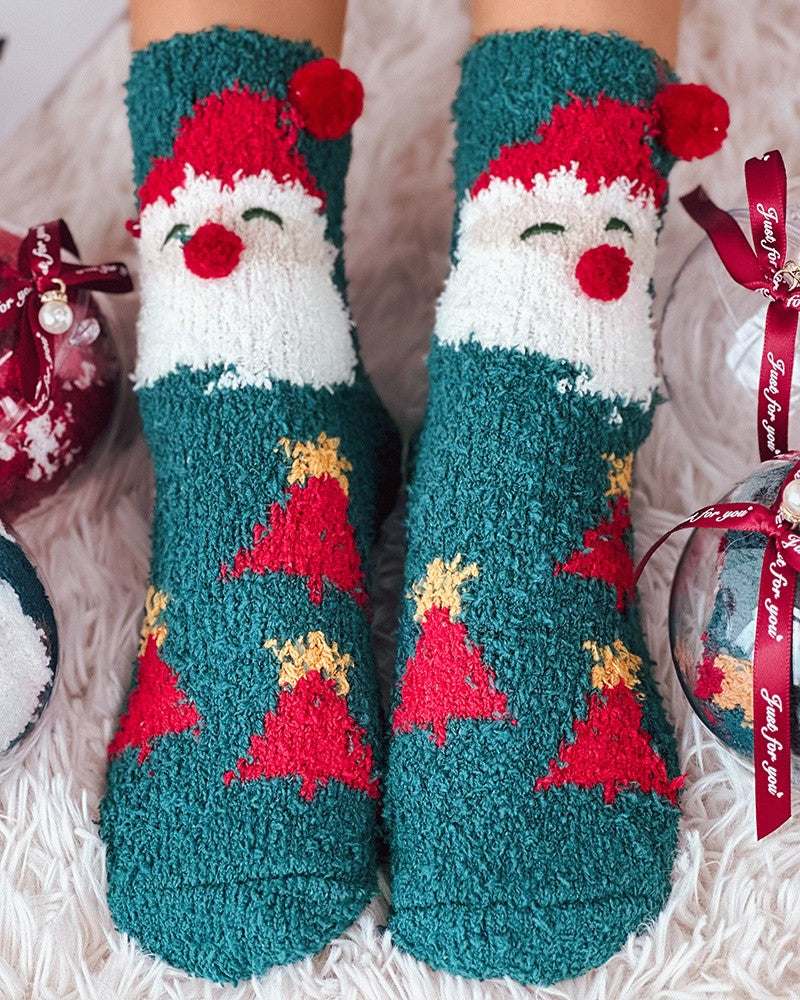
{"x": 309, "y": 653}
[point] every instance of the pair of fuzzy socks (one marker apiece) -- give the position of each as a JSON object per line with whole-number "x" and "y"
{"x": 530, "y": 778}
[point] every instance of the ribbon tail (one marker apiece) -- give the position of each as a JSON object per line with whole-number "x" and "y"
{"x": 765, "y": 179}
{"x": 40, "y": 251}
{"x": 729, "y": 241}
{"x": 65, "y": 237}
{"x": 27, "y": 354}
{"x": 36, "y": 358}
{"x": 12, "y": 299}
{"x": 772, "y": 663}
{"x": 100, "y": 278}
{"x": 726, "y": 516}
{"x": 775, "y": 380}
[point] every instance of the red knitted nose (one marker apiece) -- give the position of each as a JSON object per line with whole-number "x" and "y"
{"x": 603, "y": 272}
{"x": 213, "y": 251}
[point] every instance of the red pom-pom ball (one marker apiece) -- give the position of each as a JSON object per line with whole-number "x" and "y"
{"x": 213, "y": 251}
{"x": 603, "y": 272}
{"x": 692, "y": 120}
{"x": 328, "y": 97}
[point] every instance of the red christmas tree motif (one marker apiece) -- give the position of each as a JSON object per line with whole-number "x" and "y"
{"x": 309, "y": 536}
{"x": 727, "y": 681}
{"x": 710, "y": 677}
{"x": 446, "y": 678}
{"x": 604, "y": 555}
{"x": 610, "y": 747}
{"x": 156, "y": 707}
{"x": 311, "y": 734}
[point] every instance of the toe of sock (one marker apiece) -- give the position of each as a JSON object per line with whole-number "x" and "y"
{"x": 532, "y": 945}
{"x": 237, "y": 930}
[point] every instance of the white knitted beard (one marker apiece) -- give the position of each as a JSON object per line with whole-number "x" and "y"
{"x": 523, "y": 294}
{"x": 278, "y": 315}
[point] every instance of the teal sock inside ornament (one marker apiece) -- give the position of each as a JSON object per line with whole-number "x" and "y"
{"x": 712, "y": 621}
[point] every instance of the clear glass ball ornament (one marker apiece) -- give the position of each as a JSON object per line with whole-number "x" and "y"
{"x": 29, "y": 648}
{"x": 711, "y": 337}
{"x": 712, "y": 620}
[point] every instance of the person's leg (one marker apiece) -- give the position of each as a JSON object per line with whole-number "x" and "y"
{"x": 649, "y": 22}
{"x": 240, "y": 809}
{"x": 321, "y": 23}
{"x": 533, "y": 779}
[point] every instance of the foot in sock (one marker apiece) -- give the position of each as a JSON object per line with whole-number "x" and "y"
{"x": 240, "y": 810}
{"x": 533, "y": 780}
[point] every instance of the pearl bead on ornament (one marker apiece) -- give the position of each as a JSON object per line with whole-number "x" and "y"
{"x": 56, "y": 316}
{"x": 790, "y": 503}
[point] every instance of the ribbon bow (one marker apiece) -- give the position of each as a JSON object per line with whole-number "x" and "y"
{"x": 763, "y": 268}
{"x": 772, "y": 657}
{"x": 40, "y": 270}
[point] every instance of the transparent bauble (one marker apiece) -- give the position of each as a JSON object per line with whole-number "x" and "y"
{"x": 711, "y": 337}
{"x": 712, "y": 620}
{"x": 29, "y": 647}
{"x": 40, "y": 451}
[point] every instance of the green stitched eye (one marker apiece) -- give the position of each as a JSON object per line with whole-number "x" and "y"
{"x": 261, "y": 213}
{"x": 542, "y": 227}
{"x": 619, "y": 224}
{"x": 179, "y": 232}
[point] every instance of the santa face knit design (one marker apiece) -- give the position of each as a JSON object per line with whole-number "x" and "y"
{"x": 533, "y": 780}
{"x": 240, "y": 810}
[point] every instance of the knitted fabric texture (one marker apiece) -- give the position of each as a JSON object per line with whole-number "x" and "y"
{"x": 724, "y": 686}
{"x": 239, "y": 816}
{"x": 186, "y": 68}
{"x": 533, "y": 780}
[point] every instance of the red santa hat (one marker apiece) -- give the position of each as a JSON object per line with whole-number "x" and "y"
{"x": 238, "y": 133}
{"x": 606, "y": 139}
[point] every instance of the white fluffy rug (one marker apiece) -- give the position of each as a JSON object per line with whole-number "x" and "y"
{"x": 732, "y": 926}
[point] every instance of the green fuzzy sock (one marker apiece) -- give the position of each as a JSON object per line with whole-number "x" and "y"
{"x": 533, "y": 780}
{"x": 243, "y": 778}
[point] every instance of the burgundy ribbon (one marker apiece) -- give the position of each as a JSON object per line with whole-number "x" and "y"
{"x": 772, "y": 658}
{"x": 761, "y": 269}
{"x": 38, "y": 264}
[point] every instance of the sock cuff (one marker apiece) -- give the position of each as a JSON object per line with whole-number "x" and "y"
{"x": 168, "y": 78}
{"x": 511, "y": 82}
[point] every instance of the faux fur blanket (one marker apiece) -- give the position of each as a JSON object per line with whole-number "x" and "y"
{"x": 732, "y": 925}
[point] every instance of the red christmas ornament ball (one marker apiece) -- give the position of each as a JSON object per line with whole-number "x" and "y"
{"x": 39, "y": 451}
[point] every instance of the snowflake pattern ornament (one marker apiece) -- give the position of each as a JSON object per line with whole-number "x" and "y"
{"x": 44, "y": 440}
